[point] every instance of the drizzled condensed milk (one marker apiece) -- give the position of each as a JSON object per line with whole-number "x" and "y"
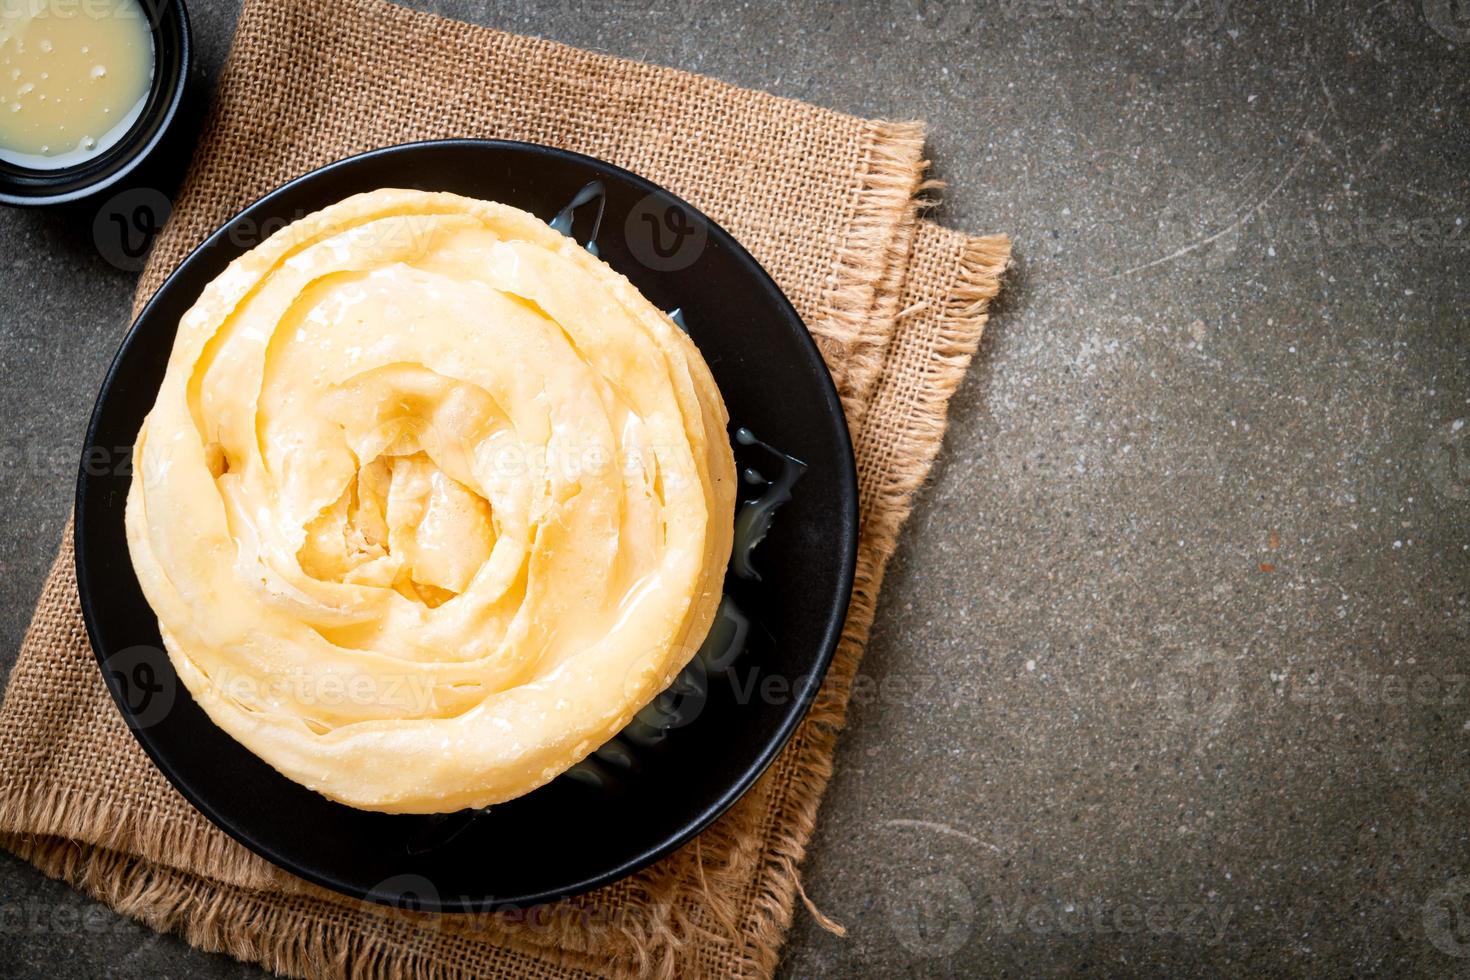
{"x": 74, "y": 76}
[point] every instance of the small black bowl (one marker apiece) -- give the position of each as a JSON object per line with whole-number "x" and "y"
{"x": 27, "y": 187}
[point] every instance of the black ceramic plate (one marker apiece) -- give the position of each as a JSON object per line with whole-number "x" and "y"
{"x": 568, "y": 836}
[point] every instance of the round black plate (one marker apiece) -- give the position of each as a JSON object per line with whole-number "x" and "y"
{"x": 566, "y": 837}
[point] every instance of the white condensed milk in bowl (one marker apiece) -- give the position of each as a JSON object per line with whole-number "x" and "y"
{"x": 87, "y": 90}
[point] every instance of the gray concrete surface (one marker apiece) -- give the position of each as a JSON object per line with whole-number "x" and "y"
{"x": 1170, "y": 674}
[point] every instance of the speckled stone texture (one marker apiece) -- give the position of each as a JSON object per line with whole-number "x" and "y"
{"x": 1171, "y": 675}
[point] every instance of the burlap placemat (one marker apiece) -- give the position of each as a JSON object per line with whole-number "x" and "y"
{"x": 827, "y": 202}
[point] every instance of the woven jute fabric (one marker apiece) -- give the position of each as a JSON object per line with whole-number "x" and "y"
{"x": 827, "y": 202}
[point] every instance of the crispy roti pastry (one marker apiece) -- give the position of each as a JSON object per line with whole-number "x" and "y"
{"x": 431, "y": 502}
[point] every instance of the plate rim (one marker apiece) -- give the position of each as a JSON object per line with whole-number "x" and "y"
{"x": 710, "y": 812}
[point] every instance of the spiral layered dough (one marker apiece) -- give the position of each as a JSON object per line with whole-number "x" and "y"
{"x": 431, "y": 501}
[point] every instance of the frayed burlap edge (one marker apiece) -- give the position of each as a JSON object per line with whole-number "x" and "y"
{"x": 105, "y": 825}
{"x": 863, "y": 289}
{"x": 954, "y": 329}
{"x": 220, "y": 918}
